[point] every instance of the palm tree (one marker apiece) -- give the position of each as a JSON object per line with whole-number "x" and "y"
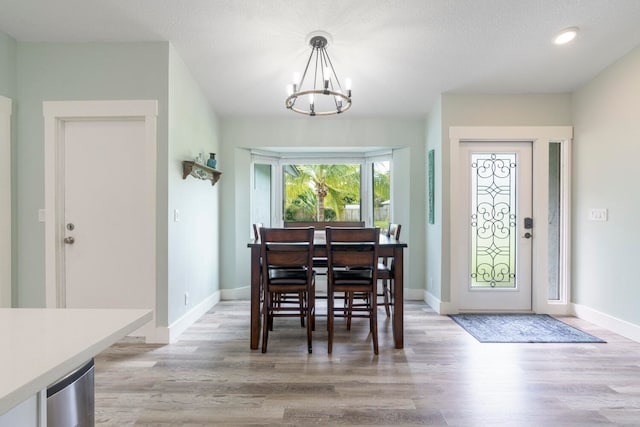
{"x": 332, "y": 186}
{"x": 381, "y": 186}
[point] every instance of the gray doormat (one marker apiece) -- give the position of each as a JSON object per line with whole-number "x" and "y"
{"x": 521, "y": 328}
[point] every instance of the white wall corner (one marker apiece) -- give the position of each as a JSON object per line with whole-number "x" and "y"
{"x": 413, "y": 294}
{"x": 236, "y": 294}
{"x": 619, "y": 326}
{"x": 438, "y": 306}
{"x": 169, "y": 334}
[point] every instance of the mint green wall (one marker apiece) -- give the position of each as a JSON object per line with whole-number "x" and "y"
{"x": 240, "y": 134}
{"x": 7, "y": 66}
{"x": 82, "y": 71}
{"x": 606, "y": 150}
{"x": 8, "y": 48}
{"x": 490, "y": 110}
{"x": 193, "y": 241}
{"x": 433, "y": 264}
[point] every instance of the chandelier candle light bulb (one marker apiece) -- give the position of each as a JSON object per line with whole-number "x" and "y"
{"x": 296, "y": 81}
{"x": 327, "y": 74}
{"x": 320, "y": 82}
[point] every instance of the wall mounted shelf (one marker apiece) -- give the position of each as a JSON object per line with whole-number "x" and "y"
{"x": 200, "y": 171}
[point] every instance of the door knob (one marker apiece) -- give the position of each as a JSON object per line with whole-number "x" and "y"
{"x": 527, "y": 235}
{"x": 69, "y": 240}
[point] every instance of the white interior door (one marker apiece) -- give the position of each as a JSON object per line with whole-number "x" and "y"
{"x": 109, "y": 223}
{"x": 495, "y": 222}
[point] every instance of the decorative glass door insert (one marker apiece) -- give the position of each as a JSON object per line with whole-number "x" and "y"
{"x": 493, "y": 220}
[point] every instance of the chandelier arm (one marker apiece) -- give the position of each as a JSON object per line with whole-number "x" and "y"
{"x": 333, "y": 70}
{"x": 305, "y": 72}
{"x": 315, "y": 72}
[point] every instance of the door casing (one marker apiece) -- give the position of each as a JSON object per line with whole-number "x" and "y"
{"x": 540, "y": 138}
{"x": 56, "y": 114}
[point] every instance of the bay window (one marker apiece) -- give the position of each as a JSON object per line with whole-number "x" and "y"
{"x": 309, "y": 188}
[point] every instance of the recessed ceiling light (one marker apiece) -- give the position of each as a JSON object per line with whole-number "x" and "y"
{"x": 566, "y": 35}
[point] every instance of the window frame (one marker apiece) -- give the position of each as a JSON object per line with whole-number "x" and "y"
{"x": 279, "y": 160}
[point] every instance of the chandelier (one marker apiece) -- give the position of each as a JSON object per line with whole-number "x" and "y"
{"x": 318, "y": 92}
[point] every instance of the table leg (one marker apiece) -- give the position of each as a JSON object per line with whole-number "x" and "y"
{"x": 398, "y": 298}
{"x": 255, "y": 296}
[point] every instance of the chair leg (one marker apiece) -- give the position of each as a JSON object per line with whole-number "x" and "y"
{"x": 385, "y": 291}
{"x": 274, "y": 302}
{"x": 312, "y": 304}
{"x": 349, "y": 310}
{"x": 266, "y": 318}
{"x": 302, "y": 307}
{"x": 310, "y": 312}
{"x": 330, "y": 321}
{"x": 391, "y": 292}
{"x": 374, "y": 319}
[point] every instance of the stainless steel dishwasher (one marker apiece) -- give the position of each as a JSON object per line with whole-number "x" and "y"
{"x": 70, "y": 401}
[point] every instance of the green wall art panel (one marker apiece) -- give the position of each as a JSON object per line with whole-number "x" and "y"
{"x": 431, "y": 186}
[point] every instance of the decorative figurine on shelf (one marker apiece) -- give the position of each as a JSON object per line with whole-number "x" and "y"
{"x": 200, "y": 158}
{"x": 211, "y": 161}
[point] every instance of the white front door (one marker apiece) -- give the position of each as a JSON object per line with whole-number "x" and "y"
{"x": 495, "y": 223}
{"x": 101, "y": 205}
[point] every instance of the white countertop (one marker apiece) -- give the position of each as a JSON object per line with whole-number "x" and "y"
{"x": 40, "y": 346}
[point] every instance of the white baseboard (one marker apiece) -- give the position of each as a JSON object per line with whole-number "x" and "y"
{"x": 619, "y": 326}
{"x": 166, "y": 335}
{"x": 438, "y": 306}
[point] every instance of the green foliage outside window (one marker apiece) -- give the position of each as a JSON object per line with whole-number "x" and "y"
{"x": 332, "y": 192}
{"x": 320, "y": 192}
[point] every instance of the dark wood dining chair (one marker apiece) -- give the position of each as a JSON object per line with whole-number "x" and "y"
{"x": 352, "y": 255}
{"x": 282, "y": 298}
{"x": 287, "y": 268}
{"x": 256, "y": 230}
{"x": 320, "y": 262}
{"x": 256, "y": 235}
{"x": 386, "y": 270}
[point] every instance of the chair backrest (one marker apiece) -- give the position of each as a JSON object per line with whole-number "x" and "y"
{"x": 256, "y": 230}
{"x": 353, "y": 248}
{"x": 394, "y": 231}
{"x": 286, "y": 248}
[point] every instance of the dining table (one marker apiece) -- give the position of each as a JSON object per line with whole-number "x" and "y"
{"x": 388, "y": 247}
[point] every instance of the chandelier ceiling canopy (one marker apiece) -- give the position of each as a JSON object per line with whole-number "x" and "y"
{"x": 318, "y": 91}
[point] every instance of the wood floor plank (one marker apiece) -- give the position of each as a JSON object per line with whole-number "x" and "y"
{"x": 443, "y": 377}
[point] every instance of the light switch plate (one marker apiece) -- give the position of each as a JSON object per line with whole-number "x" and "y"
{"x": 598, "y": 214}
{"x": 42, "y": 215}
{"x": 176, "y": 215}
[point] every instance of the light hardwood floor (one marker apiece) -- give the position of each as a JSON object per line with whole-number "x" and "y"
{"x": 443, "y": 377}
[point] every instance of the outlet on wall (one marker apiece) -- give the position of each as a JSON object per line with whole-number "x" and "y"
{"x": 598, "y": 214}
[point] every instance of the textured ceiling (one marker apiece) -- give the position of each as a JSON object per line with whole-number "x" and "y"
{"x": 400, "y": 54}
